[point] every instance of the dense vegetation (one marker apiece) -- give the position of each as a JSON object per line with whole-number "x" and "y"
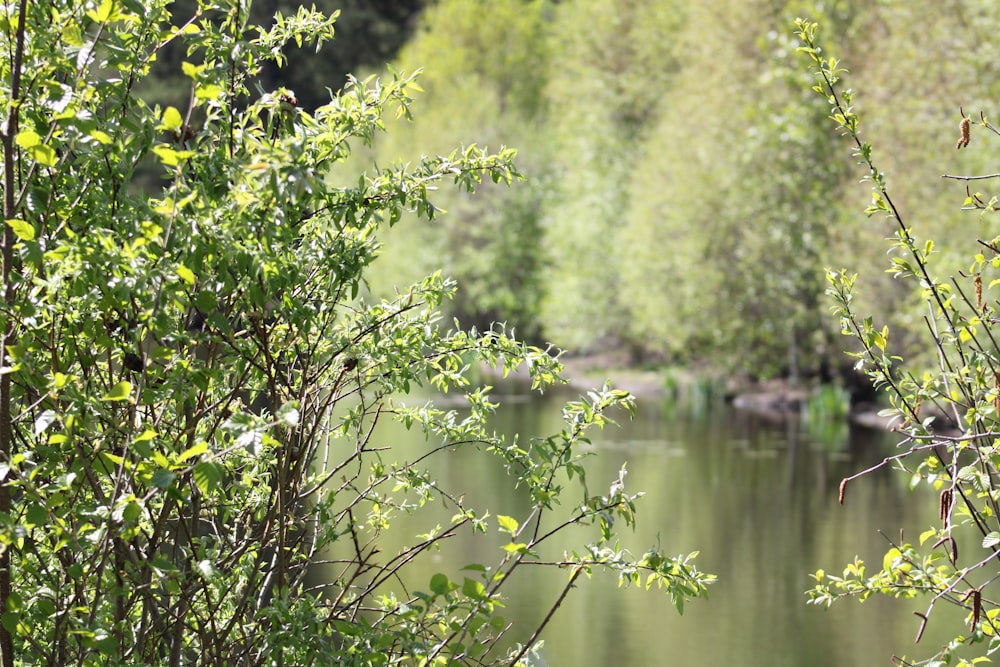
{"x": 193, "y": 380}
{"x": 683, "y": 201}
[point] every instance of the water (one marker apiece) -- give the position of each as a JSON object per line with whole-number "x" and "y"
{"x": 757, "y": 498}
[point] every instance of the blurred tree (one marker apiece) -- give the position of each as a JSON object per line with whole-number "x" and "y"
{"x": 727, "y": 224}
{"x": 484, "y": 78}
{"x": 612, "y": 65}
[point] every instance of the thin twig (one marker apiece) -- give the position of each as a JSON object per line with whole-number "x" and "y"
{"x": 538, "y": 631}
{"x": 970, "y": 178}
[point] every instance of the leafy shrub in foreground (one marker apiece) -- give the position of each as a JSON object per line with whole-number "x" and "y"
{"x": 192, "y": 379}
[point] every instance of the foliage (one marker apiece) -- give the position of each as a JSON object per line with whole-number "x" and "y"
{"x": 369, "y": 34}
{"x": 191, "y": 384}
{"x": 625, "y": 53}
{"x": 486, "y": 80}
{"x": 727, "y": 255}
{"x": 948, "y": 417}
{"x": 682, "y": 200}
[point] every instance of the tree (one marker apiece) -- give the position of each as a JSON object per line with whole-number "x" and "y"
{"x": 726, "y": 227}
{"x": 612, "y": 64}
{"x": 484, "y": 78}
{"x": 947, "y": 417}
{"x": 191, "y": 382}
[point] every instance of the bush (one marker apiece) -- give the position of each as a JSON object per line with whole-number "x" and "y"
{"x": 948, "y": 417}
{"x": 192, "y": 380}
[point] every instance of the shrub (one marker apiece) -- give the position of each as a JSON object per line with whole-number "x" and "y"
{"x": 192, "y": 378}
{"x": 947, "y": 417}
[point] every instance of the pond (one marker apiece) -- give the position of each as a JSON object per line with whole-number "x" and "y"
{"x": 756, "y": 497}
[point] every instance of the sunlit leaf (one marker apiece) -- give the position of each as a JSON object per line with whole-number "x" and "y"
{"x": 197, "y": 450}
{"x": 22, "y": 229}
{"x": 207, "y": 476}
{"x": 191, "y": 70}
{"x": 473, "y": 589}
{"x": 507, "y": 524}
{"x": 185, "y": 274}
{"x": 208, "y": 91}
{"x": 119, "y": 392}
{"x": 172, "y": 120}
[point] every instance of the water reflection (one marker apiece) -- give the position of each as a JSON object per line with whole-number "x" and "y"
{"x": 757, "y": 497}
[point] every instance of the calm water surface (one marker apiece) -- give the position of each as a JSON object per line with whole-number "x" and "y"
{"x": 757, "y": 498}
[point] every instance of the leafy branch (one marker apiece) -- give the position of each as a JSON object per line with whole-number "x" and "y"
{"x": 949, "y": 416}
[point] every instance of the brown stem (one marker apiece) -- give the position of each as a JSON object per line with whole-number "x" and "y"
{"x": 538, "y": 631}
{"x": 7, "y": 135}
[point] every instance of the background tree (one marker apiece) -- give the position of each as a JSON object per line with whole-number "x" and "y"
{"x": 677, "y": 171}
{"x": 612, "y": 65}
{"x": 487, "y": 79}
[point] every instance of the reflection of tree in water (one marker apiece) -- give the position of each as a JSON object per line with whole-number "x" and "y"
{"x": 758, "y": 496}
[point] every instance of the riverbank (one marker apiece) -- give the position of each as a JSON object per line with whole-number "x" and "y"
{"x": 773, "y": 397}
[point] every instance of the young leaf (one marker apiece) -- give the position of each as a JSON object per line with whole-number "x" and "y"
{"x": 207, "y": 476}
{"x": 185, "y": 274}
{"x": 119, "y": 392}
{"x": 23, "y": 230}
{"x": 507, "y": 524}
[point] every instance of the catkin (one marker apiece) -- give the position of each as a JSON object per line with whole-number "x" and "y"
{"x": 996, "y": 388}
{"x": 843, "y": 487}
{"x": 965, "y": 128}
{"x": 944, "y": 504}
{"x": 977, "y": 608}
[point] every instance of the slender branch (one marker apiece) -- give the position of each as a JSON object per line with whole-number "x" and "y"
{"x": 538, "y": 631}
{"x": 970, "y": 178}
{"x": 7, "y": 136}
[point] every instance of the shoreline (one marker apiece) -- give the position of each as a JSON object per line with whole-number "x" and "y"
{"x": 772, "y": 397}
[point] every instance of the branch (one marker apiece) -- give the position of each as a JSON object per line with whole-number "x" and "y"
{"x": 528, "y": 644}
{"x": 970, "y": 178}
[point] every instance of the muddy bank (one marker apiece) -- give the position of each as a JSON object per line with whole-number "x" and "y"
{"x": 774, "y": 398}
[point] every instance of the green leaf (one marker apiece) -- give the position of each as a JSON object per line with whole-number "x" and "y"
{"x": 169, "y": 156}
{"x": 473, "y": 589}
{"x": 9, "y": 620}
{"x": 207, "y": 476}
{"x": 43, "y": 155}
{"x": 163, "y": 478}
{"x": 507, "y": 524}
{"x": 22, "y": 229}
{"x": 36, "y": 515}
{"x": 208, "y": 91}
{"x": 185, "y": 274}
{"x": 191, "y": 70}
{"x": 205, "y": 301}
{"x": 131, "y": 512}
{"x": 441, "y": 585}
{"x": 31, "y": 141}
{"x": 119, "y": 392}
{"x": 197, "y": 450}
{"x": 103, "y": 12}
{"x": 148, "y": 434}
{"x": 101, "y": 137}
{"x": 172, "y": 120}
{"x": 991, "y": 540}
{"x": 28, "y": 139}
